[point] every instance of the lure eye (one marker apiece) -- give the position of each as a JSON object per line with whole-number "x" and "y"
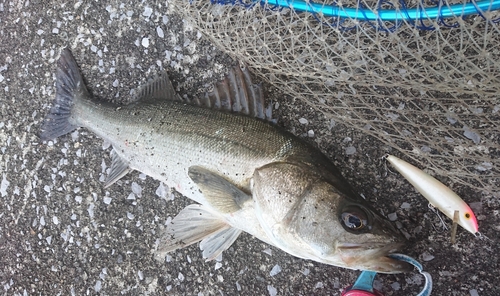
{"x": 467, "y": 215}
{"x": 354, "y": 218}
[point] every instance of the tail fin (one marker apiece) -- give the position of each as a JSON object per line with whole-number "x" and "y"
{"x": 69, "y": 85}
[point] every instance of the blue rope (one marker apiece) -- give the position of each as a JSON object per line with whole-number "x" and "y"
{"x": 414, "y": 16}
{"x": 408, "y": 14}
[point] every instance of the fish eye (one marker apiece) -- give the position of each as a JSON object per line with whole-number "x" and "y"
{"x": 467, "y": 215}
{"x": 354, "y": 218}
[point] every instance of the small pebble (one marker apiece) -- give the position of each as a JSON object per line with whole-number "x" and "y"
{"x": 426, "y": 256}
{"x": 379, "y": 285}
{"x": 395, "y": 286}
{"x": 350, "y": 150}
{"x": 319, "y": 285}
{"x": 98, "y": 286}
{"x": 392, "y": 216}
{"x": 162, "y": 190}
{"x": 476, "y": 138}
{"x": 148, "y": 11}
{"x": 425, "y": 149}
{"x": 137, "y": 189}
{"x": 90, "y": 210}
{"x": 268, "y": 251}
{"x": 485, "y": 166}
{"x": 276, "y": 269}
{"x": 331, "y": 124}
{"x": 405, "y": 205}
{"x": 159, "y": 31}
{"x": 272, "y": 290}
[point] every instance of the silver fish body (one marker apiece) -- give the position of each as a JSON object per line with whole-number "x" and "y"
{"x": 244, "y": 173}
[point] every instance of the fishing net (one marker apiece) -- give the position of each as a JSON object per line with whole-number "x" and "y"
{"x": 428, "y": 86}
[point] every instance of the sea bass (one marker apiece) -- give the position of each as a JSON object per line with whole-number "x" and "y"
{"x": 244, "y": 173}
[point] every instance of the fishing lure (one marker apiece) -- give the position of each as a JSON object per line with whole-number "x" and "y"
{"x": 438, "y": 195}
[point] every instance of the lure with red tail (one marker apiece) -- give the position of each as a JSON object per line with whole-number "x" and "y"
{"x": 438, "y": 195}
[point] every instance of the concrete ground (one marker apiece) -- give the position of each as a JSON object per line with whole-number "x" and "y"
{"x": 62, "y": 233}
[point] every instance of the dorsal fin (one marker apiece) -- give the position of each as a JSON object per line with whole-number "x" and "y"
{"x": 158, "y": 88}
{"x": 236, "y": 93}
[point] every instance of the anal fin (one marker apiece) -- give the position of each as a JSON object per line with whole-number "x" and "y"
{"x": 221, "y": 194}
{"x": 119, "y": 168}
{"x": 193, "y": 224}
{"x": 218, "y": 242}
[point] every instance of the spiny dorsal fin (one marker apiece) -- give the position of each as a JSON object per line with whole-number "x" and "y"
{"x": 158, "y": 88}
{"x": 237, "y": 93}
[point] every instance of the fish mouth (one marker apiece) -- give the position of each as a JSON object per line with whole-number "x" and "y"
{"x": 373, "y": 257}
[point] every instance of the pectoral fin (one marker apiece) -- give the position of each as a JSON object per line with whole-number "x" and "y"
{"x": 193, "y": 224}
{"x": 221, "y": 194}
{"x": 119, "y": 168}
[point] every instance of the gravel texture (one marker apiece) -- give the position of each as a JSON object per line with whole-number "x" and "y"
{"x": 62, "y": 233}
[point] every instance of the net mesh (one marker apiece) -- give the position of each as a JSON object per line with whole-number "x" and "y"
{"x": 428, "y": 88}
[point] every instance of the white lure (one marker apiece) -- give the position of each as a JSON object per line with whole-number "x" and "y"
{"x": 438, "y": 195}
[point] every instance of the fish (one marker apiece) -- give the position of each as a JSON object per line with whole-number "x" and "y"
{"x": 438, "y": 194}
{"x": 243, "y": 173}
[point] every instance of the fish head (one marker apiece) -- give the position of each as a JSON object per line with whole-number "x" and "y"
{"x": 308, "y": 217}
